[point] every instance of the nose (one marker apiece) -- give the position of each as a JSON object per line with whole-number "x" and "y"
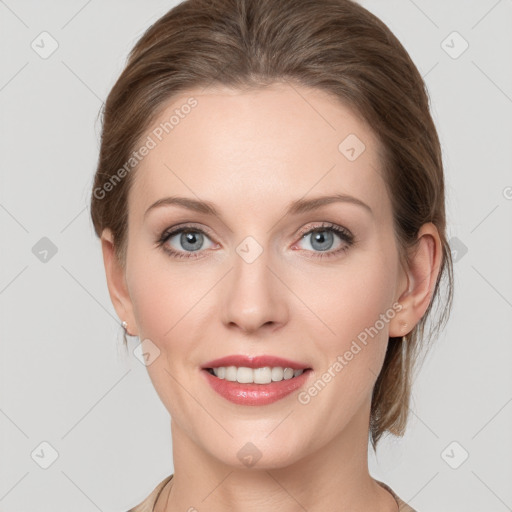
{"x": 254, "y": 297}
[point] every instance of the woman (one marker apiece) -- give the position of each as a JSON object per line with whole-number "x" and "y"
{"x": 270, "y": 202}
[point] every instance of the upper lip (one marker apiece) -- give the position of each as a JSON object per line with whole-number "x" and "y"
{"x": 254, "y": 362}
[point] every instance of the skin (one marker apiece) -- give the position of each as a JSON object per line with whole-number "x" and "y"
{"x": 251, "y": 153}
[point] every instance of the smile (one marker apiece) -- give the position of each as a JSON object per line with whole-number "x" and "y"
{"x": 250, "y": 392}
{"x": 245, "y": 375}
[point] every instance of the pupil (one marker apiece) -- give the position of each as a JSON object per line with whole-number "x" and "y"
{"x": 192, "y": 239}
{"x": 324, "y": 241}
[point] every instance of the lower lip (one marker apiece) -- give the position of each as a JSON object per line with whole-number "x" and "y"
{"x": 255, "y": 394}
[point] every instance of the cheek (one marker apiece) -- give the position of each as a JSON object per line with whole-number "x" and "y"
{"x": 354, "y": 302}
{"x": 153, "y": 307}
{"x": 351, "y": 298}
{"x": 157, "y": 294}
{"x": 171, "y": 306}
{"x": 163, "y": 299}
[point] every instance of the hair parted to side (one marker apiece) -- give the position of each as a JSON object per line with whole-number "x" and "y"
{"x": 336, "y": 46}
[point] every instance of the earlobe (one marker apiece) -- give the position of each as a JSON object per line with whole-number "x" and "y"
{"x": 116, "y": 281}
{"x": 421, "y": 276}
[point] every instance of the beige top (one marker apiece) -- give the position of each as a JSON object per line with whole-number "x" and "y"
{"x": 148, "y": 504}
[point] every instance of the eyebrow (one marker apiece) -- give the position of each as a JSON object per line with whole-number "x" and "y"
{"x": 294, "y": 208}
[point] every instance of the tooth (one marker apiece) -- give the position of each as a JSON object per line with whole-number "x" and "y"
{"x": 263, "y": 375}
{"x": 231, "y": 372}
{"x": 277, "y": 374}
{"x": 288, "y": 373}
{"x": 245, "y": 375}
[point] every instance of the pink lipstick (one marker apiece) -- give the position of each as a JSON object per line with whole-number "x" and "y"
{"x": 258, "y": 380}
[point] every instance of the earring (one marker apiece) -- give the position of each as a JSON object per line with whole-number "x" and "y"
{"x": 124, "y": 324}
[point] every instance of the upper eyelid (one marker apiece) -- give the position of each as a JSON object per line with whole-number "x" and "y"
{"x": 176, "y": 230}
{"x": 327, "y": 225}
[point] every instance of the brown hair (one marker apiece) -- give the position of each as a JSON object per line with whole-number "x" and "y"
{"x": 336, "y": 46}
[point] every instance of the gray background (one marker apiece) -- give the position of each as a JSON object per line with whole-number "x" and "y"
{"x": 63, "y": 374}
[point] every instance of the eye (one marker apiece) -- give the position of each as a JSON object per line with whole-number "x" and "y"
{"x": 321, "y": 239}
{"x": 188, "y": 241}
{"x": 183, "y": 242}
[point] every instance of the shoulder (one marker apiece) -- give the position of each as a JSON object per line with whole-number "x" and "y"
{"x": 402, "y": 506}
{"x": 148, "y": 504}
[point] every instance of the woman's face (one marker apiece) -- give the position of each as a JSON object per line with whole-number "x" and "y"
{"x": 270, "y": 274}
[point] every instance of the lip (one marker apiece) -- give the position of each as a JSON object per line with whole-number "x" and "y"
{"x": 254, "y": 394}
{"x": 255, "y": 362}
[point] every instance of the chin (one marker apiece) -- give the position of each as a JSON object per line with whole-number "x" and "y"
{"x": 254, "y": 452}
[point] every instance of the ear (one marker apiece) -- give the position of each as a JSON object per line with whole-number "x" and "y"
{"x": 420, "y": 280}
{"x": 116, "y": 282}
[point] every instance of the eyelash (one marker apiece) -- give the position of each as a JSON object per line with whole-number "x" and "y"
{"x": 345, "y": 235}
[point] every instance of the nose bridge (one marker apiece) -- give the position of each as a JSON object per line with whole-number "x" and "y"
{"x": 253, "y": 297}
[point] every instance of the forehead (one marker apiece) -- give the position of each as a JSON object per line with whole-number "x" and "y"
{"x": 269, "y": 144}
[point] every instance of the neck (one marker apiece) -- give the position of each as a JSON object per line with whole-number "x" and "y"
{"x": 334, "y": 477}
